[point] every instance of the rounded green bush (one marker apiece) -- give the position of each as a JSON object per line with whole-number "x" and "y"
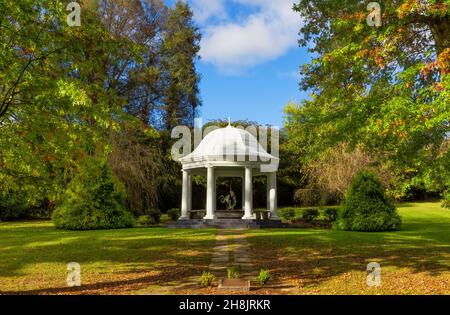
{"x": 94, "y": 199}
{"x": 366, "y": 207}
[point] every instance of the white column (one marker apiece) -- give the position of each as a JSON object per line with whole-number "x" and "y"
{"x": 243, "y": 192}
{"x": 272, "y": 183}
{"x": 248, "y": 194}
{"x": 215, "y": 194}
{"x": 210, "y": 194}
{"x": 189, "y": 204}
{"x": 184, "y": 196}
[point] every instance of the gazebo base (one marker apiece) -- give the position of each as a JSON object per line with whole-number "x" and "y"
{"x": 228, "y": 224}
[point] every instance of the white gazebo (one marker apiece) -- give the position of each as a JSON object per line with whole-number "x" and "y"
{"x": 229, "y": 152}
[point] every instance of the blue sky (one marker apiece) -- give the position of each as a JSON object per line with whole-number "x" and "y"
{"x": 249, "y": 58}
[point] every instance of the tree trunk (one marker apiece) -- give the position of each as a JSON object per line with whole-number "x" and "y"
{"x": 440, "y": 28}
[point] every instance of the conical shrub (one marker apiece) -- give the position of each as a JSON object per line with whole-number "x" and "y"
{"x": 366, "y": 207}
{"x": 94, "y": 199}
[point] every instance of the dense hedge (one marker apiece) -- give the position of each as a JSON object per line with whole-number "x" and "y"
{"x": 19, "y": 204}
{"x": 93, "y": 200}
{"x": 12, "y": 206}
{"x": 366, "y": 207}
{"x": 309, "y": 215}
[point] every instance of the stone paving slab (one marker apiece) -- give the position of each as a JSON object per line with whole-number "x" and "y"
{"x": 232, "y": 248}
{"x": 234, "y": 284}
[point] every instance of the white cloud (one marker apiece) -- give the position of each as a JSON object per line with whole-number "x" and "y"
{"x": 205, "y": 9}
{"x": 266, "y": 33}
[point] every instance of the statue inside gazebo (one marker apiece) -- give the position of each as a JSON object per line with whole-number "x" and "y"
{"x": 230, "y": 199}
{"x": 228, "y": 153}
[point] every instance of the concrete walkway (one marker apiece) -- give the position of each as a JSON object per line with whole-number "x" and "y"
{"x": 232, "y": 249}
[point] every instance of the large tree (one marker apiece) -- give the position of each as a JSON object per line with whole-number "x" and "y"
{"x": 97, "y": 90}
{"x": 387, "y": 88}
{"x": 51, "y": 117}
{"x": 180, "y": 50}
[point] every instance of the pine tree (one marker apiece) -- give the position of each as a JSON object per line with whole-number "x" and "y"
{"x": 180, "y": 51}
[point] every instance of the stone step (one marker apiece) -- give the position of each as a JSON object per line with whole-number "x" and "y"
{"x": 227, "y": 223}
{"x": 229, "y": 214}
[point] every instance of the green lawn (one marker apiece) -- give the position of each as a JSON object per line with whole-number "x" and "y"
{"x": 311, "y": 261}
{"x": 34, "y": 255}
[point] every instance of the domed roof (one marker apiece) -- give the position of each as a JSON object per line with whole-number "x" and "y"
{"x": 225, "y": 144}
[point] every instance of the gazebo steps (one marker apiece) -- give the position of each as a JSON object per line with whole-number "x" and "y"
{"x": 229, "y": 214}
{"x": 220, "y": 214}
{"x": 228, "y": 224}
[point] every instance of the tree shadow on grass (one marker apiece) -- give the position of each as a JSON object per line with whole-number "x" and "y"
{"x": 316, "y": 256}
{"x": 120, "y": 286}
{"x": 125, "y": 261}
{"x": 135, "y": 257}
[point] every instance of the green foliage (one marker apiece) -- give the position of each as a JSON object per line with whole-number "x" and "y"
{"x": 145, "y": 220}
{"x": 315, "y": 216}
{"x": 92, "y": 200}
{"x": 66, "y": 96}
{"x": 366, "y": 207}
{"x": 234, "y": 272}
{"x": 264, "y": 276}
{"x": 13, "y": 205}
{"x": 207, "y": 279}
{"x": 330, "y": 214}
{"x": 287, "y": 214}
{"x": 310, "y": 215}
{"x": 174, "y": 213}
{"x": 155, "y": 215}
{"x": 308, "y": 197}
{"x": 446, "y": 199}
{"x": 180, "y": 48}
{"x": 368, "y": 87}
